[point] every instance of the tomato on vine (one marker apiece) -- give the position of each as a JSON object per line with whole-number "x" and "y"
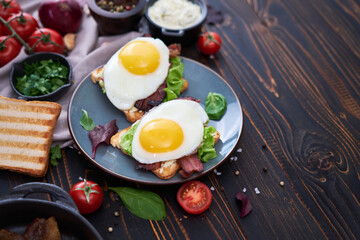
{"x": 8, "y": 7}
{"x": 46, "y": 40}
{"x": 87, "y": 195}
{"x": 24, "y": 24}
{"x": 9, "y": 49}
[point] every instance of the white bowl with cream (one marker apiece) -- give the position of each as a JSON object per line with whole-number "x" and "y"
{"x": 176, "y": 21}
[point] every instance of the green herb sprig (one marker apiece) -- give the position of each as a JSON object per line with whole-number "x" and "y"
{"x": 55, "y": 154}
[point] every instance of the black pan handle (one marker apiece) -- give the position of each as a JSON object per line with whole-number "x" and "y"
{"x": 58, "y": 195}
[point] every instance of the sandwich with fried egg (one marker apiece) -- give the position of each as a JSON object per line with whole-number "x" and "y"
{"x": 172, "y": 137}
{"x": 140, "y": 75}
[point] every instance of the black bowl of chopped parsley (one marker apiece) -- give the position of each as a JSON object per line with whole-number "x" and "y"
{"x": 41, "y": 76}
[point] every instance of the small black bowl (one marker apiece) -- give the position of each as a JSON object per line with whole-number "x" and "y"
{"x": 110, "y": 23}
{"x": 18, "y": 70}
{"x": 185, "y": 36}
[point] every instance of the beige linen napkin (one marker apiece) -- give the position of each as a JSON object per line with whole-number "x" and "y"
{"x": 85, "y": 57}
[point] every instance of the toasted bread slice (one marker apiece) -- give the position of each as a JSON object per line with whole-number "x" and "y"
{"x": 133, "y": 114}
{"x": 168, "y": 169}
{"x": 26, "y": 131}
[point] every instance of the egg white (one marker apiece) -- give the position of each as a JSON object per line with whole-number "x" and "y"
{"x": 124, "y": 88}
{"x": 191, "y": 118}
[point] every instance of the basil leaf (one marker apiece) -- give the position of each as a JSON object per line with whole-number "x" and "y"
{"x": 86, "y": 122}
{"x": 215, "y": 105}
{"x": 142, "y": 203}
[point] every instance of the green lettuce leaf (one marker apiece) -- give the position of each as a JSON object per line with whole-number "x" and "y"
{"x": 207, "y": 150}
{"x": 127, "y": 138}
{"x": 174, "y": 79}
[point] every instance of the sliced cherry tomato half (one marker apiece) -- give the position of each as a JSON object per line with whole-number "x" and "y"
{"x": 87, "y": 195}
{"x": 24, "y": 24}
{"x": 8, "y": 7}
{"x": 209, "y": 43}
{"x": 194, "y": 197}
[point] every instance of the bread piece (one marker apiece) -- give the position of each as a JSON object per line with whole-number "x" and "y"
{"x": 26, "y": 131}
{"x": 168, "y": 169}
{"x": 97, "y": 75}
{"x": 133, "y": 114}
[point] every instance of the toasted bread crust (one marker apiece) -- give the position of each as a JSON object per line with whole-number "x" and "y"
{"x": 167, "y": 170}
{"x": 26, "y": 131}
{"x": 96, "y": 75}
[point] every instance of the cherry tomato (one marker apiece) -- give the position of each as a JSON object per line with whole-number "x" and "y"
{"x": 24, "y": 24}
{"x": 8, "y": 7}
{"x": 87, "y": 195}
{"x": 47, "y": 40}
{"x": 209, "y": 43}
{"x": 194, "y": 197}
{"x": 9, "y": 49}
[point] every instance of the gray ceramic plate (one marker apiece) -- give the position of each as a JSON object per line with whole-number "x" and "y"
{"x": 202, "y": 80}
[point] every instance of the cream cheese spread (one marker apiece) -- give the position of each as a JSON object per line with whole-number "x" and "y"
{"x": 175, "y": 14}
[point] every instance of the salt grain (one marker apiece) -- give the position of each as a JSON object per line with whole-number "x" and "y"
{"x": 239, "y": 150}
{"x": 212, "y": 188}
{"x": 244, "y": 189}
{"x": 257, "y": 190}
{"x": 215, "y": 171}
{"x": 218, "y": 173}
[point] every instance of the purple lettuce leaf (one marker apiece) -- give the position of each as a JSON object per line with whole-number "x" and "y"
{"x": 246, "y": 207}
{"x": 102, "y": 134}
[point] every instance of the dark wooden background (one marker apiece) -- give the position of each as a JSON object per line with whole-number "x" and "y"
{"x": 295, "y": 66}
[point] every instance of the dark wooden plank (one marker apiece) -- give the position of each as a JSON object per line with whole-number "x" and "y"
{"x": 294, "y": 86}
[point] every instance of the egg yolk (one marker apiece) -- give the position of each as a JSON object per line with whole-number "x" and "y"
{"x": 161, "y": 135}
{"x": 140, "y": 57}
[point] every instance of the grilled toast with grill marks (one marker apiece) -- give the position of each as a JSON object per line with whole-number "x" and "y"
{"x": 26, "y": 131}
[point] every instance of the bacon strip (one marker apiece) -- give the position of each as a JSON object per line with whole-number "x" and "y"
{"x": 147, "y": 167}
{"x": 174, "y": 50}
{"x": 189, "y": 165}
{"x": 153, "y": 100}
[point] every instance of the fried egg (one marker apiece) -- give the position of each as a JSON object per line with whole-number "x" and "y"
{"x": 135, "y": 71}
{"x": 169, "y": 131}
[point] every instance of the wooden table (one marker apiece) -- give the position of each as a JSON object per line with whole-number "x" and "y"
{"x": 295, "y": 66}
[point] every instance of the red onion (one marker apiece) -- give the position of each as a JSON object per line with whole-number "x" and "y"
{"x": 64, "y": 16}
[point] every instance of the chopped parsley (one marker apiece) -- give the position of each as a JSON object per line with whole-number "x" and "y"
{"x": 42, "y": 77}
